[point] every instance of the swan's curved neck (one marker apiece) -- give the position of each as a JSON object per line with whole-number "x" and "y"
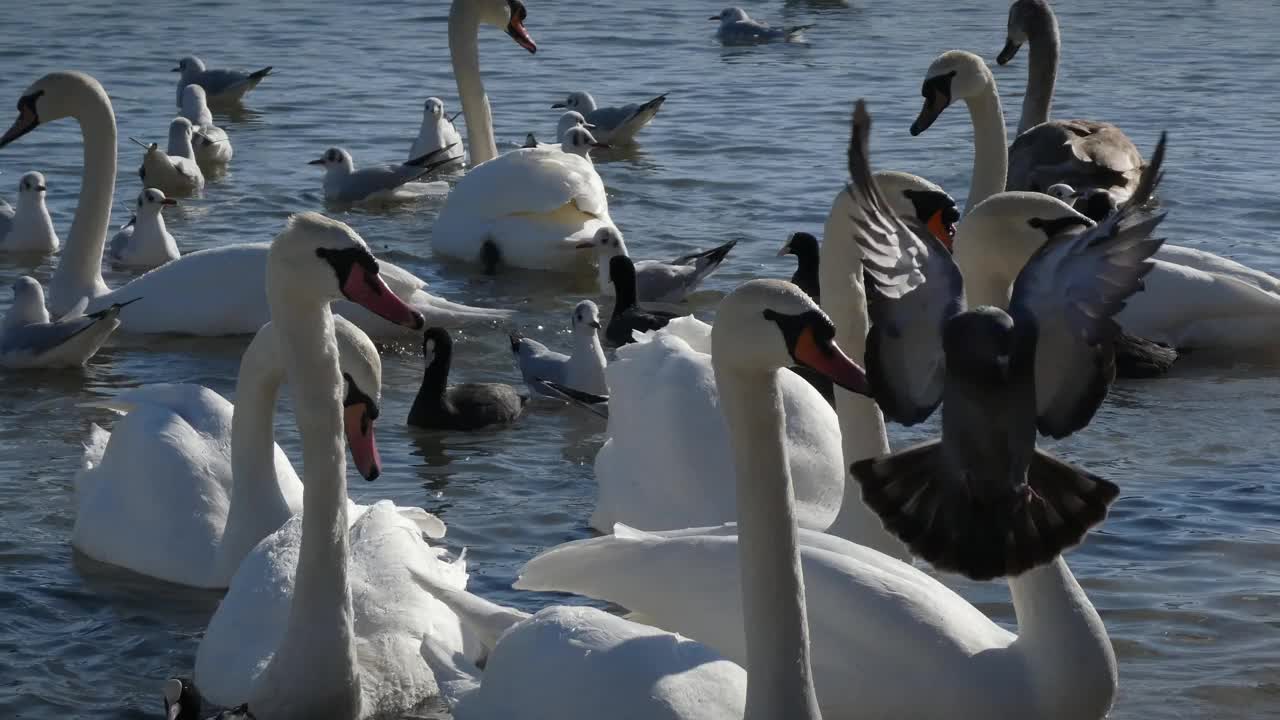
{"x": 258, "y": 507}
{"x": 1042, "y": 70}
{"x": 862, "y": 431}
{"x": 79, "y": 272}
{"x": 464, "y": 51}
{"x": 318, "y": 647}
{"x": 779, "y": 675}
{"x": 1063, "y": 639}
{"x": 990, "y": 153}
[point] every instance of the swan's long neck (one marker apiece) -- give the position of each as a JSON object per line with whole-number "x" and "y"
{"x": 779, "y": 676}
{"x": 318, "y": 648}
{"x": 1042, "y": 71}
{"x": 862, "y": 431}
{"x": 990, "y": 153}
{"x": 79, "y": 272}
{"x": 1063, "y": 641}
{"x": 464, "y": 51}
{"x": 258, "y": 507}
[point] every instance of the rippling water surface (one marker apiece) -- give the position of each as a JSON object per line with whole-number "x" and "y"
{"x": 750, "y": 145}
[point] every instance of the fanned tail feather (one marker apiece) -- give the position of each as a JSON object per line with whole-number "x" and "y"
{"x": 955, "y": 532}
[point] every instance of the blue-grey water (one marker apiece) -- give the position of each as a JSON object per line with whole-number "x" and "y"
{"x": 750, "y": 145}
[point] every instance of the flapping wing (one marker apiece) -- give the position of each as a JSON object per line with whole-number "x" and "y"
{"x": 913, "y": 287}
{"x": 1070, "y": 290}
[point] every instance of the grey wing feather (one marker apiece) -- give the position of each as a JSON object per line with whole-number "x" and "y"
{"x": 1070, "y": 290}
{"x": 219, "y": 81}
{"x": 611, "y": 118}
{"x": 659, "y": 282}
{"x": 366, "y": 181}
{"x": 32, "y": 341}
{"x": 538, "y": 361}
{"x": 913, "y": 287}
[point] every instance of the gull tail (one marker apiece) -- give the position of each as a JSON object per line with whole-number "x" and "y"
{"x": 708, "y": 260}
{"x": 530, "y": 141}
{"x": 981, "y": 539}
{"x": 794, "y": 30}
{"x": 597, "y": 404}
{"x": 653, "y": 104}
{"x": 258, "y": 75}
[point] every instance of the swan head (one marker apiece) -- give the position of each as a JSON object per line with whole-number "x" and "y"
{"x": 189, "y": 65}
{"x": 730, "y": 15}
{"x": 362, "y": 396}
{"x": 954, "y": 75}
{"x": 586, "y": 318}
{"x": 151, "y": 201}
{"x": 607, "y": 242}
{"x": 53, "y": 97}
{"x": 319, "y": 259}
{"x": 579, "y": 141}
{"x": 1027, "y": 18}
{"x": 31, "y": 189}
{"x": 28, "y": 304}
{"x": 433, "y": 108}
{"x": 766, "y": 325}
{"x": 335, "y": 158}
{"x": 181, "y": 700}
{"x": 1000, "y": 234}
{"x": 510, "y": 16}
{"x": 582, "y": 102}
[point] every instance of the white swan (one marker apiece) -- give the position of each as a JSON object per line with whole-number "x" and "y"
{"x": 220, "y": 291}
{"x": 1087, "y": 154}
{"x": 30, "y": 227}
{"x": 145, "y": 242}
{"x": 571, "y": 663}
{"x": 212, "y": 144}
{"x": 530, "y": 207}
{"x": 175, "y": 170}
{"x": 914, "y": 648}
{"x": 666, "y": 462}
{"x": 1192, "y": 299}
{"x": 185, "y": 484}
{"x": 322, "y": 619}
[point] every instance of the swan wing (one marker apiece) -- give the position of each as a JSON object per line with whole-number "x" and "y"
{"x": 913, "y": 288}
{"x": 1071, "y": 289}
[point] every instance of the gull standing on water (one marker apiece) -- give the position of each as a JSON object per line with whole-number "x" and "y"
{"x": 582, "y": 369}
{"x": 657, "y": 281}
{"x": 437, "y": 132}
{"x": 212, "y": 145}
{"x": 29, "y": 229}
{"x": 145, "y": 242}
{"x": 616, "y": 125}
{"x": 176, "y": 172}
{"x": 343, "y": 183}
{"x": 29, "y": 340}
{"x": 222, "y": 86}
{"x": 737, "y": 28}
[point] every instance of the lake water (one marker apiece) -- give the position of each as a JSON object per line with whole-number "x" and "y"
{"x": 750, "y": 145}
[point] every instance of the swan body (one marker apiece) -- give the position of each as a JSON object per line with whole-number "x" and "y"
{"x": 530, "y": 207}
{"x": 533, "y": 205}
{"x": 615, "y": 125}
{"x": 912, "y": 632}
{"x": 28, "y": 339}
{"x": 30, "y": 229}
{"x": 437, "y": 132}
{"x": 212, "y": 144}
{"x": 145, "y": 242}
{"x": 218, "y": 291}
{"x": 222, "y": 86}
{"x": 666, "y": 464}
{"x": 176, "y": 171}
